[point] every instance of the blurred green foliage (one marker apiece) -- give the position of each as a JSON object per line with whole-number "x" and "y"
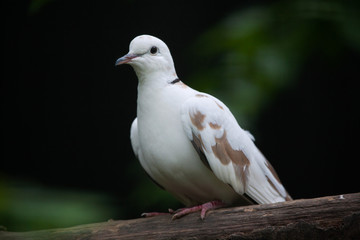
{"x": 258, "y": 52}
{"x": 28, "y": 206}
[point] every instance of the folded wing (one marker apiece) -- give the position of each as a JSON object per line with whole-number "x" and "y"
{"x": 229, "y": 151}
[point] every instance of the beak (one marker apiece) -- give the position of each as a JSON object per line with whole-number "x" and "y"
{"x": 125, "y": 59}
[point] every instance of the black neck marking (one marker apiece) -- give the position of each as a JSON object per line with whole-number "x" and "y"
{"x": 175, "y": 81}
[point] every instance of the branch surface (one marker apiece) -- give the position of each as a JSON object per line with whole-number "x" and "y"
{"x": 333, "y": 217}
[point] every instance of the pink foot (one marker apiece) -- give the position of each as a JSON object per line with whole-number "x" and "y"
{"x": 203, "y": 208}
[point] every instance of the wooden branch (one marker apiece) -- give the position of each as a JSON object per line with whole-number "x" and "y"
{"x": 334, "y": 217}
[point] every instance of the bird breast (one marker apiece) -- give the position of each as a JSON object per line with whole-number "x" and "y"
{"x": 168, "y": 155}
{"x": 161, "y": 135}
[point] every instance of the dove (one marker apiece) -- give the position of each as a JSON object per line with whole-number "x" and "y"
{"x": 189, "y": 142}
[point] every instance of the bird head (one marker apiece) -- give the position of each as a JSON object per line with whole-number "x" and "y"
{"x": 149, "y": 56}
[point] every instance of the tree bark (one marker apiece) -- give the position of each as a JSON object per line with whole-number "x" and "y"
{"x": 333, "y": 217}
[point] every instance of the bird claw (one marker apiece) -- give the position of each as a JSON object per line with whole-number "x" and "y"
{"x": 203, "y": 208}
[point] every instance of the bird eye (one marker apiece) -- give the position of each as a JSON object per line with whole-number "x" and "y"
{"x": 153, "y": 50}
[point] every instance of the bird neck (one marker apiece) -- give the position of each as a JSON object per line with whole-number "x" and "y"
{"x": 151, "y": 88}
{"x": 155, "y": 79}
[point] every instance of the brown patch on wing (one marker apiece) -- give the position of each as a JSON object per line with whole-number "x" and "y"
{"x": 226, "y": 154}
{"x": 214, "y": 126}
{"x": 197, "y": 119}
{"x": 200, "y": 95}
{"x": 272, "y": 170}
{"x": 272, "y": 185}
{"x": 219, "y": 149}
{"x": 241, "y": 165}
{"x": 219, "y": 106}
{"x": 199, "y": 147}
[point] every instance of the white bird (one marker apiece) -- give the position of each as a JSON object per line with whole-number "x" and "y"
{"x": 189, "y": 142}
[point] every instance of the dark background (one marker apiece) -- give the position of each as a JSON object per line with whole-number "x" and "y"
{"x": 67, "y": 111}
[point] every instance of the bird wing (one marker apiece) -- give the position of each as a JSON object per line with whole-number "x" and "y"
{"x": 229, "y": 151}
{"x": 134, "y": 137}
